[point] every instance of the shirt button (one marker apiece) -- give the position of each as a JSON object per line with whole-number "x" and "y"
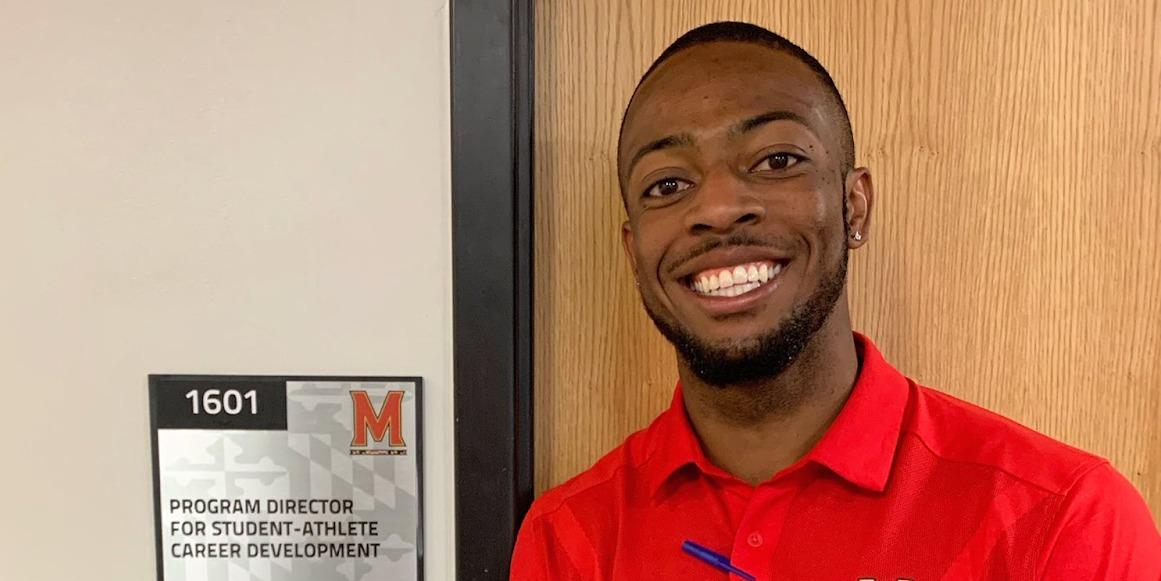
{"x": 755, "y": 540}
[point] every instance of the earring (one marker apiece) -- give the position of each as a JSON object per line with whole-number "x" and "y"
{"x": 858, "y": 237}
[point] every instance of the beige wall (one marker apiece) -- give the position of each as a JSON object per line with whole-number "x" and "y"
{"x": 207, "y": 187}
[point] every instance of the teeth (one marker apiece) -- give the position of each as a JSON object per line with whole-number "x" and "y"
{"x": 739, "y": 280}
{"x": 726, "y": 278}
{"x": 740, "y": 289}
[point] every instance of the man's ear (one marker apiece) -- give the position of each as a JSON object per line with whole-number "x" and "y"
{"x": 627, "y": 244}
{"x": 860, "y": 197}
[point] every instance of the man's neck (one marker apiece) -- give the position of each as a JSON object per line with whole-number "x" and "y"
{"x": 755, "y": 431}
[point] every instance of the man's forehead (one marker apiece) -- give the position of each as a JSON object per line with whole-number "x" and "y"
{"x": 716, "y": 83}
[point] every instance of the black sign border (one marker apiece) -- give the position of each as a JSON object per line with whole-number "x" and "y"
{"x": 157, "y": 382}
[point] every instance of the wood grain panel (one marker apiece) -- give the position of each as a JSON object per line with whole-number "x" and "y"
{"x": 1014, "y": 258}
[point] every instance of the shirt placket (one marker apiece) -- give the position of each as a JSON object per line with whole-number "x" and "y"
{"x": 760, "y": 529}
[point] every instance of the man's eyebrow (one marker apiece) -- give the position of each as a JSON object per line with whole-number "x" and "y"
{"x": 679, "y": 140}
{"x": 769, "y": 117}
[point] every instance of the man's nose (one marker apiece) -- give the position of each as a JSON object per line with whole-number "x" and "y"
{"x": 722, "y": 203}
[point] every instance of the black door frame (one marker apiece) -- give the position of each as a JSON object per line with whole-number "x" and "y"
{"x": 491, "y": 149}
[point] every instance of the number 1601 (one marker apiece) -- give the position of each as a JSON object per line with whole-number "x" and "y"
{"x": 215, "y": 401}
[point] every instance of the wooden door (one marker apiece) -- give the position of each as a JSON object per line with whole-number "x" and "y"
{"x": 1015, "y": 260}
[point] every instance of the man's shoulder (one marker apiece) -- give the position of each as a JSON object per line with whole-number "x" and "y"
{"x": 595, "y": 486}
{"x": 955, "y": 430}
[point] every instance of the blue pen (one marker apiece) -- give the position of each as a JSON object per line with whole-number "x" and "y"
{"x": 711, "y": 558}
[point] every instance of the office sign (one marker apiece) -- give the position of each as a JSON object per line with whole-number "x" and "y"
{"x": 266, "y": 478}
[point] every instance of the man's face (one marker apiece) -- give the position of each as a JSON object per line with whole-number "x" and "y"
{"x": 731, "y": 167}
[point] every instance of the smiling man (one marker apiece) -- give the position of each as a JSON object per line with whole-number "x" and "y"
{"x": 792, "y": 450}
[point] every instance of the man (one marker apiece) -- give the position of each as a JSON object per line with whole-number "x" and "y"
{"x": 792, "y": 450}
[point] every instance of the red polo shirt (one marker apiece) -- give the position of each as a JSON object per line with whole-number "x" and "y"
{"x": 907, "y": 483}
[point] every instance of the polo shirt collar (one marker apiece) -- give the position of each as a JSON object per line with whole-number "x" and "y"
{"x": 859, "y": 446}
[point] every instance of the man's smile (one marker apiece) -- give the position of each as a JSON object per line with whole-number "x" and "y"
{"x": 739, "y": 287}
{"x": 732, "y": 281}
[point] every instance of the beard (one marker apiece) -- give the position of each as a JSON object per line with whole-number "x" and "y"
{"x": 759, "y": 358}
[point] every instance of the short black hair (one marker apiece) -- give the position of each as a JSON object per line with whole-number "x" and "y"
{"x": 753, "y": 34}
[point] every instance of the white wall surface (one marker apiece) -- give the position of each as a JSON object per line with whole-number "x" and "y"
{"x": 249, "y": 187}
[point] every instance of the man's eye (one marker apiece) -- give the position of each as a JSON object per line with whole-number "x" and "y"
{"x": 666, "y": 187}
{"x": 778, "y": 161}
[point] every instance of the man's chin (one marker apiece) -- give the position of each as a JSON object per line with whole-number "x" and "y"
{"x": 730, "y": 349}
{"x": 732, "y": 338}
{"x": 730, "y": 360}
{"x": 741, "y": 353}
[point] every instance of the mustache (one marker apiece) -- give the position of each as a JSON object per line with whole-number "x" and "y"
{"x": 735, "y": 239}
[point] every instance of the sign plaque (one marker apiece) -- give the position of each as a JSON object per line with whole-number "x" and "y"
{"x": 281, "y": 478}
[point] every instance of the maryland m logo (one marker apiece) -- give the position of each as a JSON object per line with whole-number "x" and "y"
{"x": 386, "y": 422}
